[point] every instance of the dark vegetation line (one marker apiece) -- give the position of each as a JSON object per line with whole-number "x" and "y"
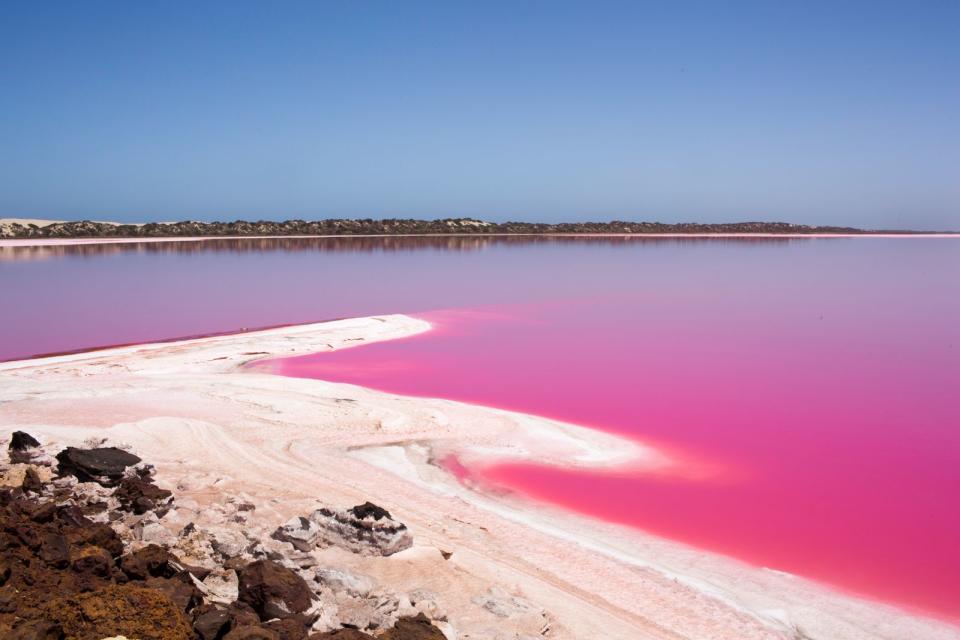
{"x": 335, "y": 227}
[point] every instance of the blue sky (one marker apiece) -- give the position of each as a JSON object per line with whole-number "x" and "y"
{"x": 834, "y": 112}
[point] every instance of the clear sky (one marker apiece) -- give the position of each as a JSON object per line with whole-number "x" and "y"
{"x": 812, "y": 112}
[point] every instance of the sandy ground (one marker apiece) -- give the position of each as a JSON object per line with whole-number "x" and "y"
{"x": 213, "y": 429}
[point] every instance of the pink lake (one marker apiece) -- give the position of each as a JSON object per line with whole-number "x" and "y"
{"x": 809, "y": 388}
{"x": 814, "y": 409}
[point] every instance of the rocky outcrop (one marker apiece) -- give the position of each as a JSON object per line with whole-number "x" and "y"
{"x": 85, "y": 556}
{"x": 104, "y": 466}
{"x": 366, "y": 529}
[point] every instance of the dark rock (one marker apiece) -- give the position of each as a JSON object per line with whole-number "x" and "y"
{"x": 150, "y": 561}
{"x": 179, "y": 589}
{"x": 92, "y": 561}
{"x": 42, "y": 513}
{"x": 55, "y": 551}
{"x": 418, "y": 627}
{"x": 139, "y": 495}
{"x": 37, "y": 630}
{"x": 99, "y": 535}
{"x": 31, "y": 481}
{"x": 21, "y": 441}
{"x": 212, "y": 623}
{"x": 369, "y": 510}
{"x": 105, "y": 465}
{"x": 273, "y": 591}
{"x": 252, "y": 633}
{"x": 288, "y": 629}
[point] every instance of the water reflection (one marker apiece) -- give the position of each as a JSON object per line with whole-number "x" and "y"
{"x": 358, "y": 244}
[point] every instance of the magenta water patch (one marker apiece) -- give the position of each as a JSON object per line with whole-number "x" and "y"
{"x": 816, "y": 428}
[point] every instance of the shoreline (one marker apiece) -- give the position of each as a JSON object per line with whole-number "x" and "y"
{"x": 215, "y": 425}
{"x": 47, "y": 242}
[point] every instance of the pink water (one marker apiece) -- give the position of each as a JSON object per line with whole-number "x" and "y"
{"x": 815, "y": 422}
{"x": 808, "y": 390}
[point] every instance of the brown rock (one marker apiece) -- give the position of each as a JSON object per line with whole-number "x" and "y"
{"x": 55, "y": 551}
{"x": 341, "y": 634}
{"x": 150, "y": 561}
{"x": 37, "y": 630}
{"x": 179, "y": 589}
{"x": 251, "y": 633}
{"x": 140, "y": 495}
{"x": 31, "y": 481}
{"x": 93, "y": 561}
{"x": 212, "y": 623}
{"x": 418, "y": 627}
{"x": 273, "y": 591}
{"x": 288, "y": 629}
{"x": 119, "y": 610}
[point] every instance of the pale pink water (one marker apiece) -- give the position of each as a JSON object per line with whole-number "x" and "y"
{"x": 809, "y": 389}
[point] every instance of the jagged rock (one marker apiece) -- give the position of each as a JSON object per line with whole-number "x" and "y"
{"x": 180, "y": 589}
{"x": 31, "y": 481}
{"x": 212, "y": 622}
{"x": 105, "y": 465}
{"x": 301, "y": 532}
{"x": 139, "y": 496}
{"x": 273, "y": 591}
{"x": 92, "y": 561}
{"x": 26, "y": 449}
{"x": 127, "y": 610}
{"x": 150, "y": 561}
{"x": 365, "y": 529}
{"x": 288, "y": 629}
{"x": 418, "y": 627}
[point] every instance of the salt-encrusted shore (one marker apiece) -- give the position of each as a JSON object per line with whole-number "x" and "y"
{"x": 499, "y": 567}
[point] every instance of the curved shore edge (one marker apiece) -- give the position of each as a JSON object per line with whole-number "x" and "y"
{"x": 214, "y": 426}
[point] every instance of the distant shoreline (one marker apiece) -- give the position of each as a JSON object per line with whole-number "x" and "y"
{"x": 45, "y": 242}
{"x": 46, "y": 230}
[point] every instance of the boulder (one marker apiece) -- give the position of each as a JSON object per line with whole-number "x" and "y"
{"x": 365, "y": 529}
{"x": 273, "y": 591}
{"x": 24, "y": 448}
{"x": 104, "y": 465}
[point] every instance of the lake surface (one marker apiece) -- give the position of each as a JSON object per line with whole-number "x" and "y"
{"x": 808, "y": 390}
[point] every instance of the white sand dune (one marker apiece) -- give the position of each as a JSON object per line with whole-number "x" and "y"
{"x": 213, "y": 428}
